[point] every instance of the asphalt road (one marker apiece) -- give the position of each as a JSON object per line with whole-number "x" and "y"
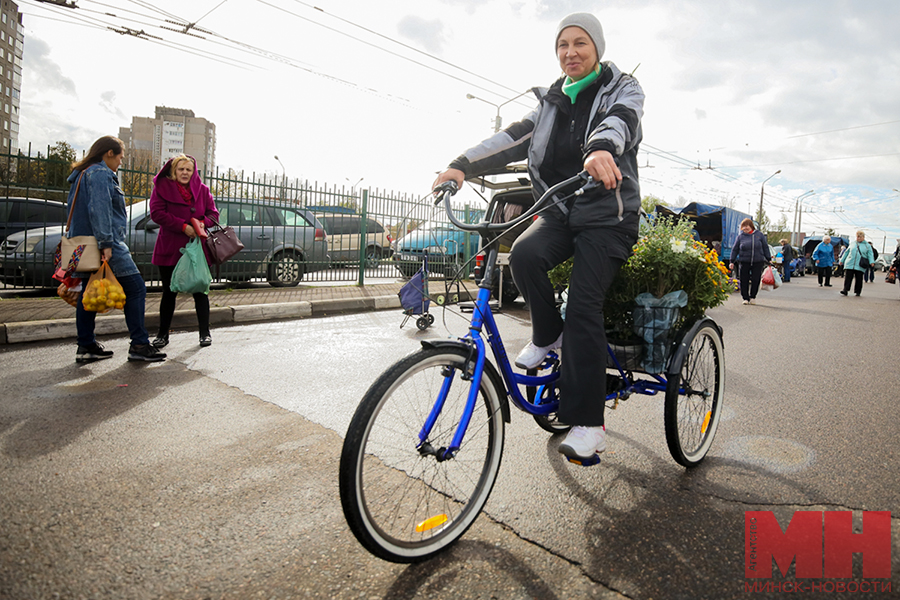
{"x": 214, "y": 475}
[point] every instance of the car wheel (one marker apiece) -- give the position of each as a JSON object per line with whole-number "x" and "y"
{"x": 286, "y": 270}
{"x": 373, "y": 257}
{"x": 510, "y": 293}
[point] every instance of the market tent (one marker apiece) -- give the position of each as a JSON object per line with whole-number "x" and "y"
{"x": 712, "y": 223}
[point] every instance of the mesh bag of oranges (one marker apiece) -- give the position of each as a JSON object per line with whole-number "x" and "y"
{"x": 103, "y": 292}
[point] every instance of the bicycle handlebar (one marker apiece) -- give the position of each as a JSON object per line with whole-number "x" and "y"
{"x": 449, "y": 188}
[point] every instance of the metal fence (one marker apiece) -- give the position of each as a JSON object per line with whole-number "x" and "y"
{"x": 363, "y": 226}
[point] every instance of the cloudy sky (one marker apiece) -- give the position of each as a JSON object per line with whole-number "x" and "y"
{"x": 343, "y": 90}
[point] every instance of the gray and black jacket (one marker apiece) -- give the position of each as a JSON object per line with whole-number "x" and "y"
{"x": 611, "y": 108}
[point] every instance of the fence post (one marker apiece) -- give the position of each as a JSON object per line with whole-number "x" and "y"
{"x": 363, "y": 238}
{"x": 467, "y": 240}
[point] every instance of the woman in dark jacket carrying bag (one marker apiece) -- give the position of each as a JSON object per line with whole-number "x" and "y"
{"x": 179, "y": 204}
{"x": 753, "y": 255}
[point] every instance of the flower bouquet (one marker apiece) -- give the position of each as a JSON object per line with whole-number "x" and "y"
{"x": 666, "y": 259}
{"x": 669, "y": 279}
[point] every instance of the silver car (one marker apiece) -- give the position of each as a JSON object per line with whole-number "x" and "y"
{"x": 281, "y": 244}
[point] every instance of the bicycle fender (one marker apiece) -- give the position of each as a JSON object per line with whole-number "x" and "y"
{"x": 489, "y": 370}
{"x": 683, "y": 344}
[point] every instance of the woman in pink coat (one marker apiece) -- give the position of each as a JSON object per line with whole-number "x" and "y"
{"x": 178, "y": 197}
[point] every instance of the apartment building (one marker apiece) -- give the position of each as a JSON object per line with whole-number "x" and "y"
{"x": 170, "y": 132}
{"x": 12, "y": 44}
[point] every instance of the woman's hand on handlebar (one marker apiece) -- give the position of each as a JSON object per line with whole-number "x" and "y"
{"x": 601, "y": 165}
{"x": 449, "y": 175}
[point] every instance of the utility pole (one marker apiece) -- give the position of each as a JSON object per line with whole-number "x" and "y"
{"x": 498, "y": 121}
{"x": 282, "y": 177}
{"x": 798, "y": 208}
{"x": 762, "y": 191}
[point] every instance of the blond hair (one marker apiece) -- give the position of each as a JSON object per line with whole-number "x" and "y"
{"x": 177, "y": 160}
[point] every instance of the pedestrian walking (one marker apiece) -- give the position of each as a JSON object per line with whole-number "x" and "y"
{"x": 869, "y": 274}
{"x": 753, "y": 254}
{"x": 183, "y": 207}
{"x": 823, "y": 256}
{"x": 856, "y": 260}
{"x": 787, "y": 257}
{"x": 100, "y": 212}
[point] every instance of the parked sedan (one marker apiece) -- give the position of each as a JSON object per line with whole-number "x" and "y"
{"x": 281, "y": 244}
{"x": 19, "y": 214}
{"x": 344, "y": 232}
{"x": 445, "y": 244}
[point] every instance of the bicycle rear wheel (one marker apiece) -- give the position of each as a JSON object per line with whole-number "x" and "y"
{"x": 694, "y": 397}
{"x": 402, "y": 502}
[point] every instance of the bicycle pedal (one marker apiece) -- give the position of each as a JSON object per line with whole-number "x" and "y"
{"x": 588, "y": 462}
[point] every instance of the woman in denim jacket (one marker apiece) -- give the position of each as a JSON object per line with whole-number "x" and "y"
{"x": 100, "y": 211}
{"x": 179, "y": 203}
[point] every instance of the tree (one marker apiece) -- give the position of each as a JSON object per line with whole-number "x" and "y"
{"x": 59, "y": 164}
{"x": 762, "y": 220}
{"x": 649, "y": 203}
{"x": 226, "y": 186}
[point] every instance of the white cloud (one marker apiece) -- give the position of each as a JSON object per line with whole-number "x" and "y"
{"x": 41, "y": 71}
{"x": 428, "y": 33}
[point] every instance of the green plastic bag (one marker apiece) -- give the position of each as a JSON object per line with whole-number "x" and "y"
{"x": 191, "y": 274}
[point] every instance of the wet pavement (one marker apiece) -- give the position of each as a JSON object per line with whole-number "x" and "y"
{"x": 30, "y": 316}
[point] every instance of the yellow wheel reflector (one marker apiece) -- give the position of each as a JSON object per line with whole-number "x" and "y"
{"x": 431, "y": 523}
{"x": 706, "y": 421}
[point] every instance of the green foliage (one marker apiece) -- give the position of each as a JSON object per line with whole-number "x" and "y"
{"x": 665, "y": 259}
{"x": 763, "y": 221}
{"x": 649, "y": 203}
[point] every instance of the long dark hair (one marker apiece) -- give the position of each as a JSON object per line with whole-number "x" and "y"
{"x": 99, "y": 150}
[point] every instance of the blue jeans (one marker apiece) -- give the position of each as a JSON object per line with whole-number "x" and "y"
{"x": 135, "y": 300}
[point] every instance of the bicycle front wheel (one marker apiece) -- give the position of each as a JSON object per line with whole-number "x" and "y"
{"x": 694, "y": 397}
{"x": 402, "y": 499}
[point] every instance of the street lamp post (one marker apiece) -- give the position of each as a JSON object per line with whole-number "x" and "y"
{"x": 798, "y": 216}
{"x": 762, "y": 191}
{"x": 282, "y": 177}
{"x": 353, "y": 185}
{"x": 498, "y": 121}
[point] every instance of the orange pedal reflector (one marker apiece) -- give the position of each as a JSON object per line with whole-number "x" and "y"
{"x": 431, "y": 523}
{"x": 706, "y": 421}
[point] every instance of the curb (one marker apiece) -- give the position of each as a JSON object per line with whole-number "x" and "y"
{"x": 35, "y": 331}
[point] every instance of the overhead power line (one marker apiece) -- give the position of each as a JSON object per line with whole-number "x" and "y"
{"x": 408, "y": 47}
{"x": 367, "y": 43}
{"x": 799, "y": 135}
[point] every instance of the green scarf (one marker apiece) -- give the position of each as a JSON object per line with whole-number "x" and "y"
{"x": 571, "y": 88}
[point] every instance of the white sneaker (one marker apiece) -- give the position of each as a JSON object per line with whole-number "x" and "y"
{"x": 582, "y": 443}
{"x": 531, "y": 356}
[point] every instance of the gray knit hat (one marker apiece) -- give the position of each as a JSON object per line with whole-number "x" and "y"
{"x": 589, "y": 24}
